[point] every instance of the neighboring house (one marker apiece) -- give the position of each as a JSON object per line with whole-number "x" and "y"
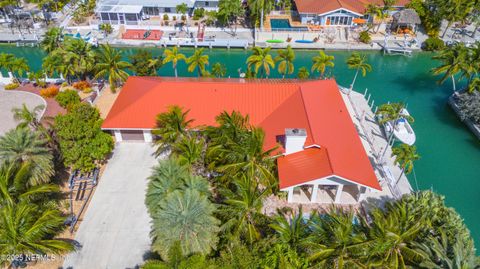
{"x": 337, "y": 12}
{"x": 321, "y": 158}
{"x": 131, "y": 12}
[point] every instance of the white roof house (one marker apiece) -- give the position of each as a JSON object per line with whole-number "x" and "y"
{"x": 132, "y": 11}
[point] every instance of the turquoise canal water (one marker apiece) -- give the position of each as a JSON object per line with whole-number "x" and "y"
{"x": 450, "y": 154}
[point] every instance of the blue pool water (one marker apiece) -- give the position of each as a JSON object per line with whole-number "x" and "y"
{"x": 284, "y": 25}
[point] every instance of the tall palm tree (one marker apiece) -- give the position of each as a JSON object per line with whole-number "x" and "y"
{"x": 197, "y": 61}
{"x": 405, "y": 155}
{"x": 285, "y": 59}
{"x": 260, "y": 8}
{"x": 335, "y": 242}
{"x": 80, "y": 55}
{"x": 185, "y": 217}
{"x": 28, "y": 118}
{"x": 392, "y": 112}
{"x": 219, "y": 70}
{"x": 242, "y": 209}
{"x": 454, "y": 61}
{"x": 25, "y": 146}
{"x": 25, "y": 229}
{"x": 261, "y": 58}
{"x": 15, "y": 65}
{"x": 174, "y": 57}
{"x": 170, "y": 127}
{"x": 303, "y": 73}
{"x": 52, "y": 39}
{"x": 358, "y": 62}
{"x": 391, "y": 235}
{"x": 321, "y": 62}
{"x": 454, "y": 11}
{"x": 176, "y": 259}
{"x": 110, "y": 65}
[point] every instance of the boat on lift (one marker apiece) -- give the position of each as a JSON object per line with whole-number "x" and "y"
{"x": 402, "y": 129}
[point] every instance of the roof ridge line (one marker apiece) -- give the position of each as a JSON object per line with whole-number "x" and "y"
{"x": 308, "y": 117}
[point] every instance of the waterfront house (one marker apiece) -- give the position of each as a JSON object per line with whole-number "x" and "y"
{"x": 131, "y": 12}
{"x": 337, "y": 12}
{"x": 321, "y": 158}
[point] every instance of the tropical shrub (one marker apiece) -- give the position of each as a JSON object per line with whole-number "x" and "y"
{"x": 81, "y": 85}
{"x": 82, "y": 142}
{"x": 364, "y": 37}
{"x": 49, "y": 92}
{"x": 12, "y": 86}
{"x": 165, "y": 17}
{"x": 174, "y": 18}
{"x": 469, "y": 104}
{"x": 68, "y": 98}
{"x": 433, "y": 44}
{"x": 198, "y": 13}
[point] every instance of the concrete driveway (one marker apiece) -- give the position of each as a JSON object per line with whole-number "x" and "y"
{"x": 115, "y": 229}
{"x": 15, "y": 99}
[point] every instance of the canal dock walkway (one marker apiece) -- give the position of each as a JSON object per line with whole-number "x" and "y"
{"x": 375, "y": 142}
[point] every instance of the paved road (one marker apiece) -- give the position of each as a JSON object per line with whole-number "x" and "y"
{"x": 15, "y": 99}
{"x": 115, "y": 230}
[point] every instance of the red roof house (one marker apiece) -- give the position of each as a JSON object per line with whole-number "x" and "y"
{"x": 308, "y": 120}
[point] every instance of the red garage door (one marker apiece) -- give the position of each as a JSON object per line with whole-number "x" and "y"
{"x": 132, "y": 135}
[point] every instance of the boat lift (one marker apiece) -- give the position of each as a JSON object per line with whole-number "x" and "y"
{"x": 81, "y": 186}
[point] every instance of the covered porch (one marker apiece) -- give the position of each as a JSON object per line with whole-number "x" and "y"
{"x": 326, "y": 192}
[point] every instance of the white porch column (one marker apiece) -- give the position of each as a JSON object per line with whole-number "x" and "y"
{"x": 290, "y": 195}
{"x": 147, "y": 136}
{"x": 314, "y": 193}
{"x": 362, "y": 191}
{"x": 118, "y": 135}
{"x": 338, "y": 195}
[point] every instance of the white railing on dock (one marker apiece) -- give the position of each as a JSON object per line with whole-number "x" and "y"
{"x": 384, "y": 171}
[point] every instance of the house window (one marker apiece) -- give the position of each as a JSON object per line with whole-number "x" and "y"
{"x": 113, "y": 17}
{"x": 105, "y": 17}
{"x": 168, "y": 10}
{"x": 207, "y": 3}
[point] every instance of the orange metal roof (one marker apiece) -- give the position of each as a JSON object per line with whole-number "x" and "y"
{"x": 316, "y": 106}
{"x": 325, "y": 6}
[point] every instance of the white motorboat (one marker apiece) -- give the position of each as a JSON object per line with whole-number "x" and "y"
{"x": 402, "y": 129}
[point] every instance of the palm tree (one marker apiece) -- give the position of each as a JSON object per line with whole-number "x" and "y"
{"x": 373, "y": 10}
{"x": 176, "y": 259}
{"x": 405, "y": 155}
{"x": 286, "y": 58}
{"x": 197, "y": 61}
{"x": 454, "y": 61}
{"x": 174, "y": 57}
{"x": 53, "y": 63}
{"x": 170, "y": 127}
{"x": 281, "y": 256}
{"x": 321, "y": 62}
{"x": 290, "y": 230}
{"x": 14, "y": 65}
{"x": 81, "y": 57}
{"x": 454, "y": 11}
{"x": 25, "y": 146}
{"x": 391, "y": 235}
{"x": 25, "y": 229}
{"x": 358, "y": 62}
{"x": 261, "y": 58}
{"x": 168, "y": 176}
{"x": 110, "y": 65}
{"x": 242, "y": 209}
{"x": 335, "y": 242}
{"x": 259, "y": 8}
{"x": 185, "y": 217}
{"x": 28, "y": 118}
{"x": 52, "y": 39}
{"x": 303, "y": 73}
{"x": 219, "y": 70}
{"x": 188, "y": 150}
{"x": 392, "y": 112}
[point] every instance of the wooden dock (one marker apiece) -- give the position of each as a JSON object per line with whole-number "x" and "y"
{"x": 399, "y": 49}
